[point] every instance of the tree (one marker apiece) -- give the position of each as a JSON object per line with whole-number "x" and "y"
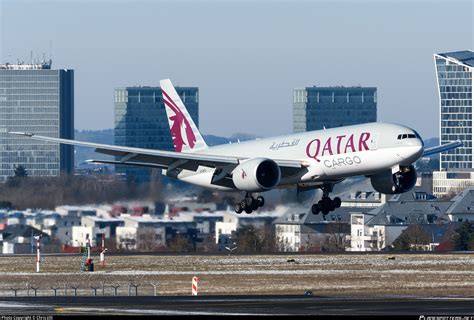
{"x": 336, "y": 239}
{"x": 464, "y": 237}
{"x": 246, "y": 239}
{"x": 5, "y": 204}
{"x": 20, "y": 172}
{"x": 180, "y": 243}
{"x": 208, "y": 244}
{"x": 412, "y": 238}
{"x": 251, "y": 239}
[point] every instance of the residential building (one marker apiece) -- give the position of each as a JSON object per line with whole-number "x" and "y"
{"x": 20, "y": 239}
{"x": 315, "y": 108}
{"x": 35, "y": 98}
{"x": 462, "y": 207}
{"x": 92, "y": 228}
{"x": 304, "y": 231}
{"x": 231, "y": 221}
{"x": 141, "y": 121}
{"x": 365, "y": 237}
{"x": 454, "y": 75}
{"x": 149, "y": 233}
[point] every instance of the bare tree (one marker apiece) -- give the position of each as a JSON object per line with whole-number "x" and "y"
{"x": 412, "y": 238}
{"x": 180, "y": 243}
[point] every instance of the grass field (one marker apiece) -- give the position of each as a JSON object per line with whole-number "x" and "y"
{"x": 362, "y": 275}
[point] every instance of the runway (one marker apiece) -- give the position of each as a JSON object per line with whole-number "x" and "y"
{"x": 234, "y": 305}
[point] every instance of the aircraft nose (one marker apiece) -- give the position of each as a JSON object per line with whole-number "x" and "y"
{"x": 412, "y": 151}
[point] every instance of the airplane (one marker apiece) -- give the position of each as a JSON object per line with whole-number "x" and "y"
{"x": 383, "y": 152}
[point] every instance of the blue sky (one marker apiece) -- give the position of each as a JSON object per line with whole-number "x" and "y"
{"x": 245, "y": 56}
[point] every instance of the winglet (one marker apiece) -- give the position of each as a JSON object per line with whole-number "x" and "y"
{"x": 18, "y": 133}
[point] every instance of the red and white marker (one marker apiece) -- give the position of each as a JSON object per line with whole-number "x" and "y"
{"x": 38, "y": 253}
{"x": 194, "y": 291}
{"x": 102, "y": 253}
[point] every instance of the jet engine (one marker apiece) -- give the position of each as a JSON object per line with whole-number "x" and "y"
{"x": 392, "y": 183}
{"x": 256, "y": 175}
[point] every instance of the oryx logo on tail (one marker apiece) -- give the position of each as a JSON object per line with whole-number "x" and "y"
{"x": 179, "y": 123}
{"x": 185, "y": 135}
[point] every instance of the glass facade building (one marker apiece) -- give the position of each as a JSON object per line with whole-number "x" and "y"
{"x": 315, "y": 108}
{"x": 141, "y": 121}
{"x": 454, "y": 74}
{"x": 34, "y": 98}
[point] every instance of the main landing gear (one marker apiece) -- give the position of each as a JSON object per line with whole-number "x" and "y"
{"x": 249, "y": 203}
{"x": 326, "y": 204}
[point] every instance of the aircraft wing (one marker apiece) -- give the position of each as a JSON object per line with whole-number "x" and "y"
{"x": 442, "y": 148}
{"x": 164, "y": 159}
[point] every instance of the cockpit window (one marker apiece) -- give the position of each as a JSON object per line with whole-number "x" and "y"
{"x": 406, "y": 136}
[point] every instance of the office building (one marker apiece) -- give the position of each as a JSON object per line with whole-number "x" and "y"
{"x": 454, "y": 76}
{"x": 141, "y": 121}
{"x": 316, "y": 108}
{"x": 35, "y": 98}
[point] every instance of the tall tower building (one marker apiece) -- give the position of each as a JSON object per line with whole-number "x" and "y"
{"x": 34, "y": 98}
{"x": 316, "y": 108}
{"x": 454, "y": 74}
{"x": 141, "y": 121}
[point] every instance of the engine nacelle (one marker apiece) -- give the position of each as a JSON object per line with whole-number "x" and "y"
{"x": 255, "y": 175}
{"x": 399, "y": 182}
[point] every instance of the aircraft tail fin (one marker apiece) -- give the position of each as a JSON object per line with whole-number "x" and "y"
{"x": 185, "y": 134}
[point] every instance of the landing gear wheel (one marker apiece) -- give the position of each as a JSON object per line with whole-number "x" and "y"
{"x": 315, "y": 209}
{"x": 254, "y": 204}
{"x": 238, "y": 208}
{"x": 326, "y": 205}
{"x": 249, "y": 202}
{"x": 337, "y": 202}
{"x": 260, "y": 201}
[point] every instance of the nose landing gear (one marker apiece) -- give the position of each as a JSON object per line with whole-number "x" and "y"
{"x": 249, "y": 203}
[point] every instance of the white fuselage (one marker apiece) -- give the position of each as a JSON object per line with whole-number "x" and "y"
{"x": 328, "y": 155}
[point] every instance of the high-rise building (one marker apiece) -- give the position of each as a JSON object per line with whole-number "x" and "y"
{"x": 35, "y": 98}
{"x": 141, "y": 121}
{"x": 317, "y": 108}
{"x": 454, "y": 74}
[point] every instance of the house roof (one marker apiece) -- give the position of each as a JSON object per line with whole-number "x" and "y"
{"x": 463, "y": 202}
{"x": 417, "y": 193}
{"x": 342, "y": 214}
{"x": 408, "y": 212}
{"x": 13, "y": 231}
